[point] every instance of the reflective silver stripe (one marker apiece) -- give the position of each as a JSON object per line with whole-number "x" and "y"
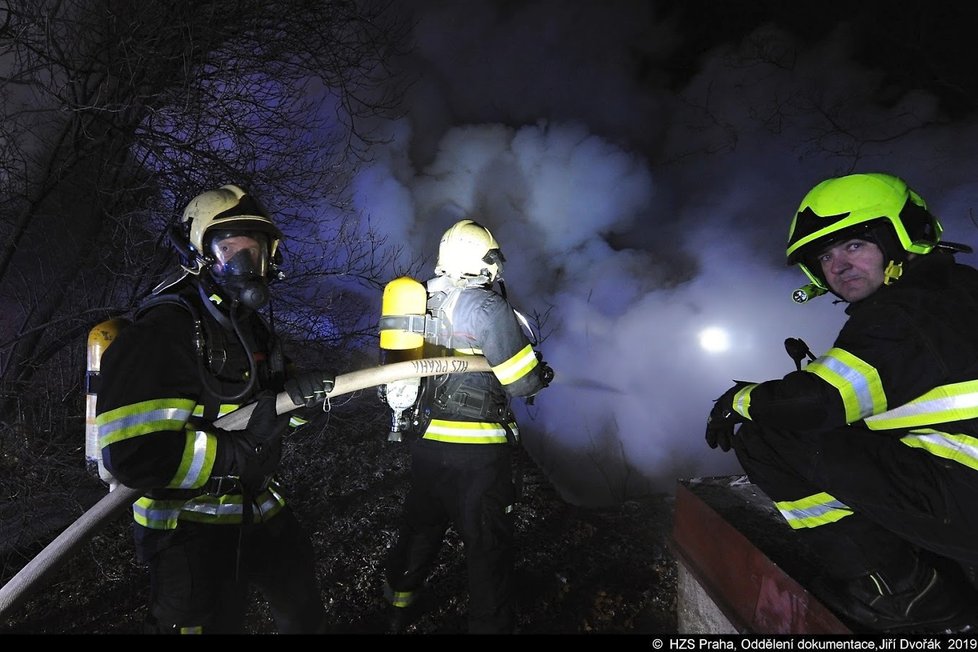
{"x": 517, "y": 366}
{"x": 955, "y": 402}
{"x": 164, "y": 514}
{"x": 741, "y": 401}
{"x": 229, "y": 508}
{"x": 812, "y": 511}
{"x": 199, "y": 468}
{"x": 959, "y": 448}
{"x": 857, "y": 382}
{"x": 132, "y": 424}
{"x": 156, "y": 514}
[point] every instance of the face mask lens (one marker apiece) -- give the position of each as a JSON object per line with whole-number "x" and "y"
{"x": 239, "y": 256}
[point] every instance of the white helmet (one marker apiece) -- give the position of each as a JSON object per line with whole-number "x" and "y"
{"x": 232, "y": 238}
{"x": 228, "y": 208}
{"x": 468, "y": 250}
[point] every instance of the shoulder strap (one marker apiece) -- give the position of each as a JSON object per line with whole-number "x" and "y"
{"x": 209, "y": 340}
{"x": 441, "y": 306}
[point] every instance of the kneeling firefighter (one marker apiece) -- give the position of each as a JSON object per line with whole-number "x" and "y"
{"x": 461, "y": 458}
{"x": 212, "y": 520}
{"x": 870, "y": 453}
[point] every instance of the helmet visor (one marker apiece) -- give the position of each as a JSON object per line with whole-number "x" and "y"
{"x": 239, "y": 254}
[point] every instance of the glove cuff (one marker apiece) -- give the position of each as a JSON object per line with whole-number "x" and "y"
{"x": 230, "y": 458}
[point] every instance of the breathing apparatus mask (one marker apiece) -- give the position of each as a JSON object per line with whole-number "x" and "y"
{"x": 240, "y": 265}
{"x": 227, "y": 240}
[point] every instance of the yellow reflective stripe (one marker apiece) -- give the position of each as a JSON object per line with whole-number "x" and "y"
{"x": 198, "y": 460}
{"x": 955, "y": 402}
{"x": 229, "y": 509}
{"x": 222, "y": 510}
{"x": 402, "y": 598}
{"x": 812, "y": 511}
{"x": 225, "y": 408}
{"x": 157, "y": 514}
{"x": 741, "y": 401}
{"x": 467, "y": 432}
{"x": 138, "y": 419}
{"x": 959, "y": 448}
{"x": 516, "y": 367}
{"x": 468, "y": 351}
{"x": 858, "y": 383}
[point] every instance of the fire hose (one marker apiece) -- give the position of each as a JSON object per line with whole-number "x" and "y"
{"x": 39, "y": 569}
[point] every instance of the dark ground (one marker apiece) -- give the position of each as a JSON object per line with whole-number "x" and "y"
{"x": 580, "y": 571}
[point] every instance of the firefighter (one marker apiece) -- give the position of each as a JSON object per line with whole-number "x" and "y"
{"x": 212, "y": 520}
{"x": 870, "y": 452}
{"x": 461, "y": 463}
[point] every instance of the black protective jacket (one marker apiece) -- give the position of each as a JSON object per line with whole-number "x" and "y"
{"x": 473, "y": 408}
{"x": 155, "y": 413}
{"x": 905, "y": 362}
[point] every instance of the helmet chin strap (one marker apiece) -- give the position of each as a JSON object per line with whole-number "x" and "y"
{"x": 893, "y": 271}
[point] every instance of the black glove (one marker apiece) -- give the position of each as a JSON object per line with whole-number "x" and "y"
{"x": 546, "y": 375}
{"x": 722, "y": 422}
{"x": 546, "y": 371}
{"x": 310, "y": 387}
{"x": 253, "y": 454}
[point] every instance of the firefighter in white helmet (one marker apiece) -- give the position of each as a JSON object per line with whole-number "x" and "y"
{"x": 212, "y": 520}
{"x": 871, "y": 451}
{"x": 461, "y": 457}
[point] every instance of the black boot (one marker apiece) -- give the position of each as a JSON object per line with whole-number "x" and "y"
{"x": 404, "y": 609}
{"x": 923, "y": 599}
{"x": 400, "y": 619}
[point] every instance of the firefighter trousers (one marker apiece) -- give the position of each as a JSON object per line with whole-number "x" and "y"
{"x": 901, "y": 497}
{"x": 471, "y": 487}
{"x": 201, "y": 575}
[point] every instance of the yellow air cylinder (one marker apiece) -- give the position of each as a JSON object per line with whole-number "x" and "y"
{"x": 403, "y": 298}
{"x": 401, "y": 339}
{"x": 99, "y": 339}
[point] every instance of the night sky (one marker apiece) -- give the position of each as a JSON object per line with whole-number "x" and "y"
{"x": 640, "y": 162}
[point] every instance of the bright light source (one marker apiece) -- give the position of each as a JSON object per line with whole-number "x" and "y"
{"x": 714, "y": 340}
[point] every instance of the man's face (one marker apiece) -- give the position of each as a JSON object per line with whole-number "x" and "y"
{"x": 238, "y": 255}
{"x": 853, "y": 268}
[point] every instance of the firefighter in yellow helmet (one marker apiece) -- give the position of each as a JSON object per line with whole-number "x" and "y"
{"x": 212, "y": 520}
{"x": 461, "y": 459}
{"x": 871, "y": 451}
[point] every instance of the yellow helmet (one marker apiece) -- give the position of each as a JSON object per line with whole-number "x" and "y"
{"x": 875, "y": 206}
{"x": 468, "y": 250}
{"x": 229, "y": 208}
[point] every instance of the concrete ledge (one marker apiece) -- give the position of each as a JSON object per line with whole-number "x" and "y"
{"x": 741, "y": 568}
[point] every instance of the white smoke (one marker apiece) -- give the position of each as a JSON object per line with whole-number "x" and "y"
{"x": 640, "y": 217}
